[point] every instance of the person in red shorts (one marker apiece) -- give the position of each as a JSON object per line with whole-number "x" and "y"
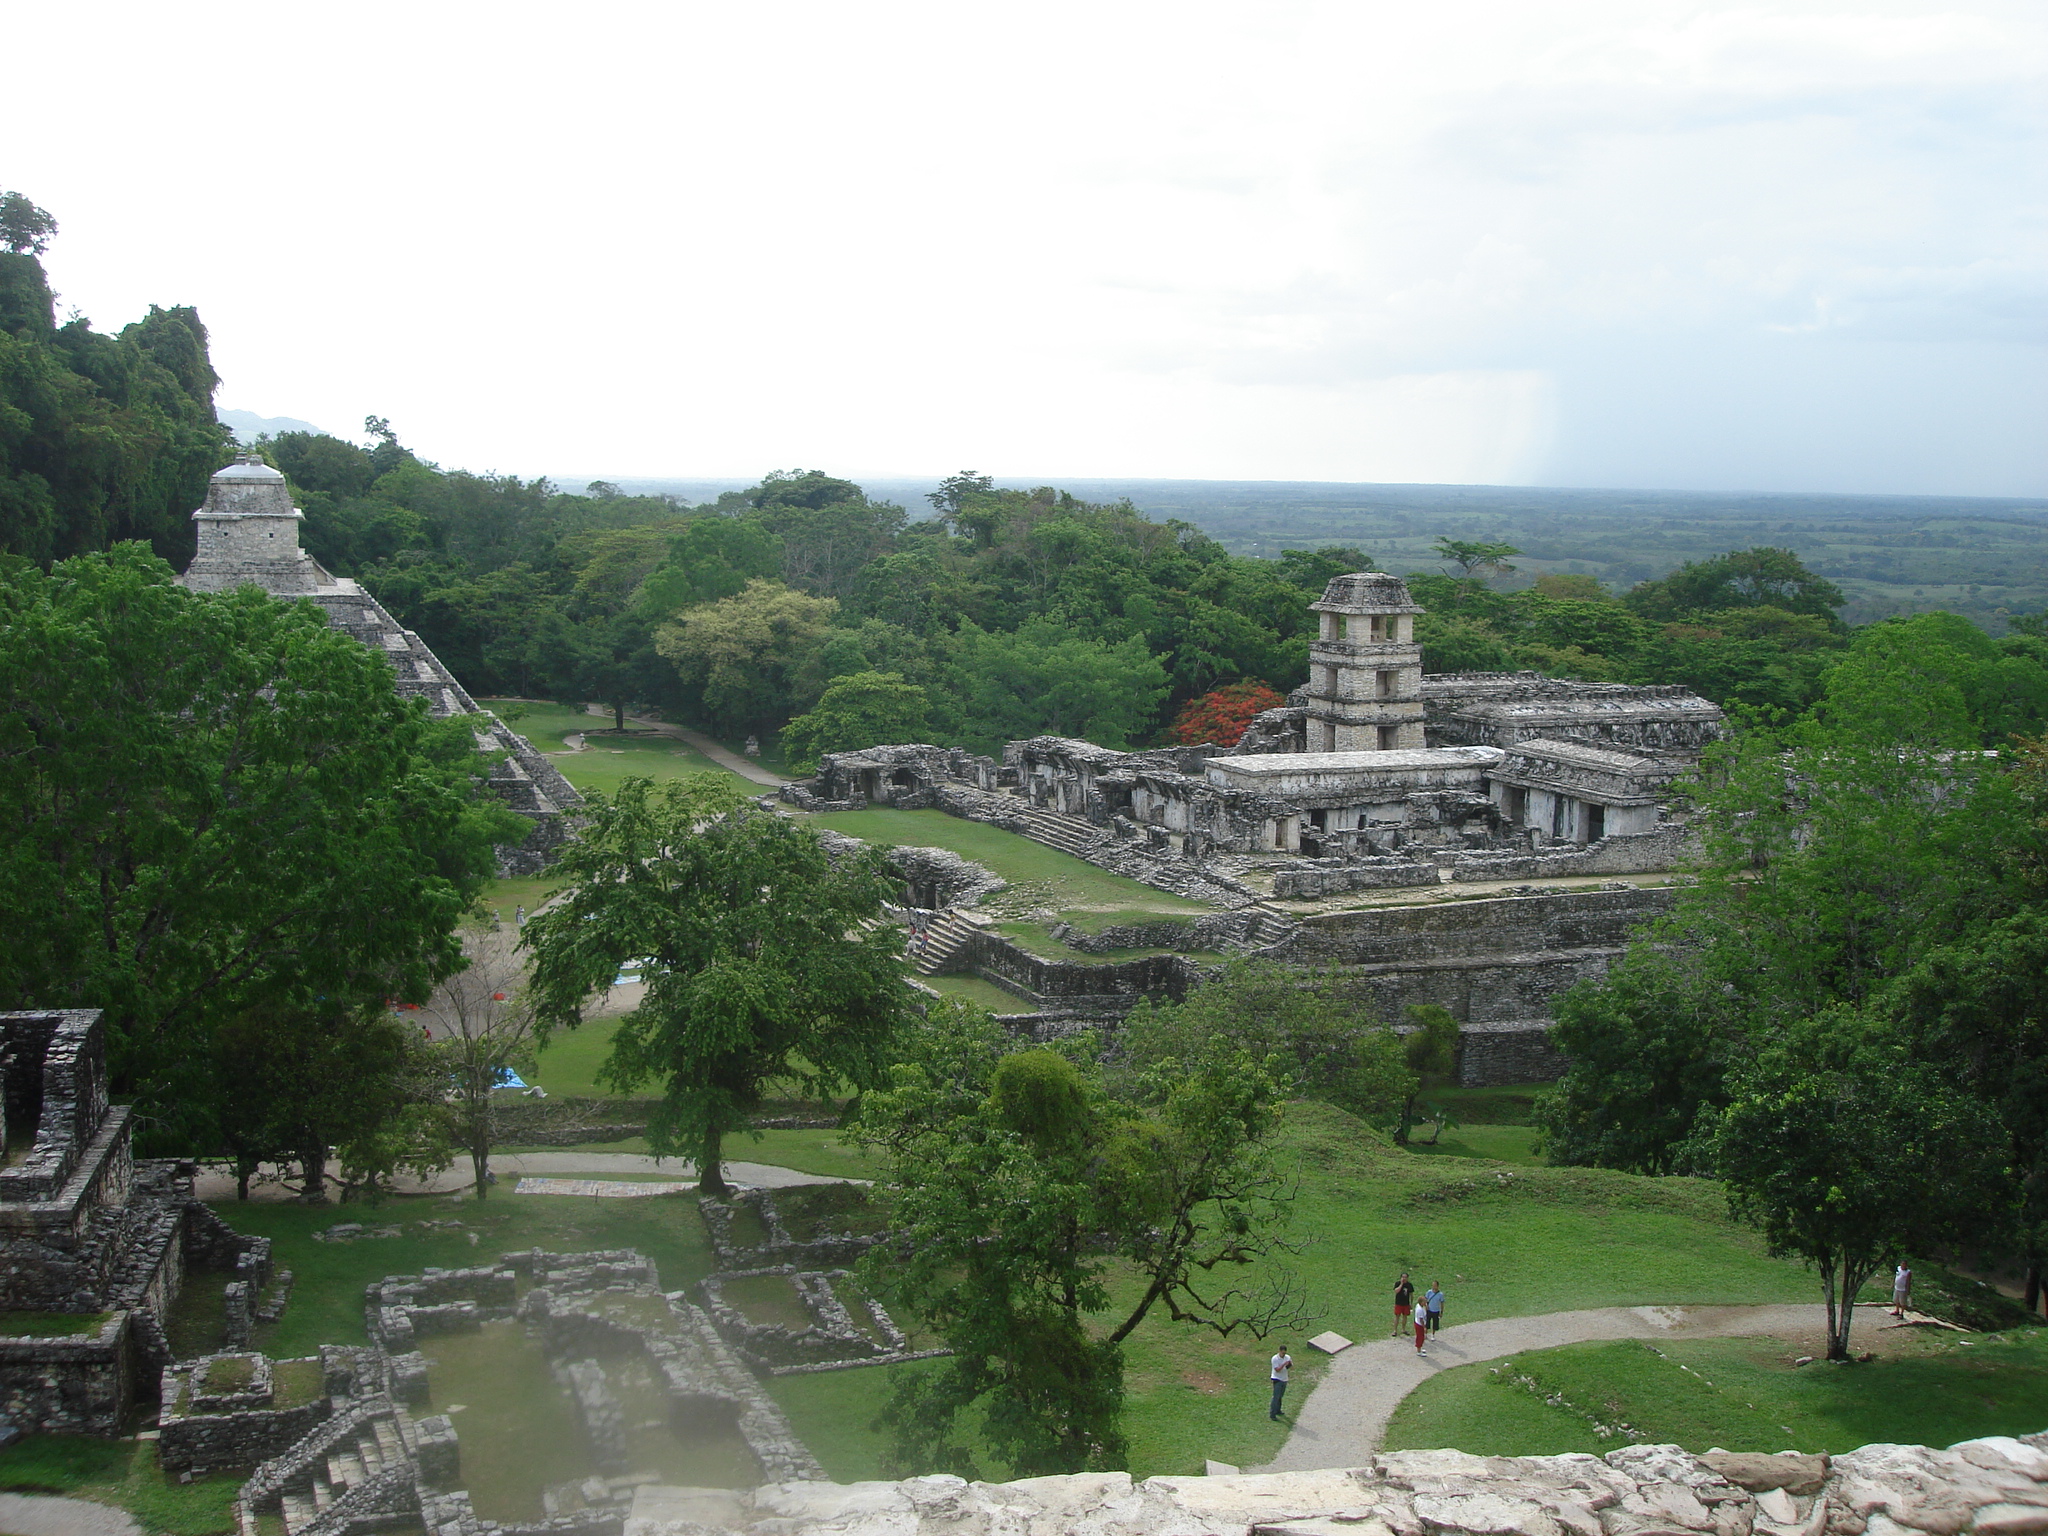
{"x": 1404, "y": 1302}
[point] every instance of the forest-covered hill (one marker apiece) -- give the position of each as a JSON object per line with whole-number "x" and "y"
{"x": 1981, "y": 557}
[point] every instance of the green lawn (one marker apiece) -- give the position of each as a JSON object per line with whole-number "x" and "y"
{"x": 1739, "y": 1394}
{"x": 608, "y": 760}
{"x": 1504, "y": 1240}
{"x": 568, "y": 1067}
{"x": 984, "y": 994}
{"x": 123, "y": 1473}
{"x": 1065, "y": 881}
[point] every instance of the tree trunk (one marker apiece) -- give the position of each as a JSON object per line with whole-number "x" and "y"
{"x": 245, "y": 1169}
{"x": 2033, "y": 1288}
{"x": 710, "y": 1166}
{"x": 315, "y": 1191}
{"x": 1838, "y": 1340}
{"x": 619, "y": 715}
{"x": 480, "y": 1160}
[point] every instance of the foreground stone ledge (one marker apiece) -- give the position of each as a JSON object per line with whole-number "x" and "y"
{"x": 1996, "y": 1486}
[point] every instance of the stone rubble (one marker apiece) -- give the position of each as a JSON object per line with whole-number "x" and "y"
{"x": 1996, "y": 1486}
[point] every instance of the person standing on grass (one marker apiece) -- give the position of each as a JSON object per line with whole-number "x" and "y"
{"x": 1433, "y": 1304}
{"x": 1282, "y": 1364}
{"x": 1404, "y": 1302}
{"x": 1902, "y": 1289}
{"x": 1421, "y": 1329}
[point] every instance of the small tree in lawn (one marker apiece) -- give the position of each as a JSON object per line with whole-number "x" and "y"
{"x": 483, "y": 1026}
{"x": 1221, "y": 715}
{"x": 1430, "y": 1053}
{"x": 1844, "y": 1152}
{"x": 764, "y": 961}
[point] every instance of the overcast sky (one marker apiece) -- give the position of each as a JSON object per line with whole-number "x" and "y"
{"x": 1780, "y": 246}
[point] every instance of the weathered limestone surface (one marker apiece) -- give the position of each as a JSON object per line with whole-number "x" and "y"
{"x": 1989, "y": 1487}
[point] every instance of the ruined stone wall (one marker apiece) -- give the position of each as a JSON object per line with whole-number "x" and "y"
{"x": 77, "y": 1385}
{"x": 1073, "y": 986}
{"x": 1996, "y": 1486}
{"x": 1496, "y": 1056}
{"x": 1536, "y": 924}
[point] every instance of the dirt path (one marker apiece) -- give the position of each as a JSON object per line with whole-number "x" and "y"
{"x": 724, "y": 757}
{"x": 1341, "y": 1421}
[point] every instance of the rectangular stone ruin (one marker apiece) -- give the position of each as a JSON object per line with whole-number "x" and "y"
{"x": 373, "y": 1463}
{"x": 87, "y": 1232}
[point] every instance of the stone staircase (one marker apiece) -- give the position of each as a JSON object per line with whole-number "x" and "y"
{"x": 374, "y": 1446}
{"x": 360, "y": 1448}
{"x": 1069, "y": 834}
{"x": 1272, "y": 927}
{"x": 944, "y": 939}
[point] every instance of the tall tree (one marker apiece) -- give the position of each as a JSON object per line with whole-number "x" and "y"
{"x": 1020, "y": 1180}
{"x": 764, "y": 958}
{"x": 213, "y": 803}
{"x": 1846, "y": 1154}
{"x": 861, "y": 709}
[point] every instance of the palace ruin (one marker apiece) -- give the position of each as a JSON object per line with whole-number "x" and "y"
{"x": 1374, "y": 777}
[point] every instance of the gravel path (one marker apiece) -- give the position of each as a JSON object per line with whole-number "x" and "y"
{"x": 35, "y": 1514}
{"x": 510, "y": 1166}
{"x": 1342, "y": 1420}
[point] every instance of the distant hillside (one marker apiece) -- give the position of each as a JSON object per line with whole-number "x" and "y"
{"x": 248, "y": 426}
{"x": 1978, "y": 556}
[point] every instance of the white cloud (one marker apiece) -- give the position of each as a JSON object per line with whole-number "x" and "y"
{"x": 1353, "y": 240}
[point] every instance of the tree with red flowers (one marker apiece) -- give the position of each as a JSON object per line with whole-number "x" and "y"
{"x": 1222, "y": 714}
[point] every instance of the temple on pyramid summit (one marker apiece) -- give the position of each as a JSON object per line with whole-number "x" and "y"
{"x": 249, "y": 536}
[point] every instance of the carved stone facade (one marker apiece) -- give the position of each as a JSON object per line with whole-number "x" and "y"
{"x": 249, "y": 536}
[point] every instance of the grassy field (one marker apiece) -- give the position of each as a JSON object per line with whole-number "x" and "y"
{"x": 1504, "y": 1240}
{"x": 1063, "y": 880}
{"x": 123, "y": 1473}
{"x": 1739, "y": 1394}
{"x": 607, "y": 761}
{"x": 985, "y": 994}
{"x": 568, "y": 1067}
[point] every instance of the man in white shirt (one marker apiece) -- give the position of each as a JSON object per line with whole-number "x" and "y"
{"x": 1282, "y": 1364}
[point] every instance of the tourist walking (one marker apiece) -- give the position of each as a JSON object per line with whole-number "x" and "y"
{"x": 1902, "y": 1289}
{"x": 1282, "y": 1364}
{"x": 1433, "y": 1304}
{"x": 1404, "y": 1302}
{"x": 1421, "y": 1329}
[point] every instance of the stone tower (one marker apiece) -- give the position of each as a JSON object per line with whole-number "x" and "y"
{"x": 249, "y": 535}
{"x": 1365, "y": 670}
